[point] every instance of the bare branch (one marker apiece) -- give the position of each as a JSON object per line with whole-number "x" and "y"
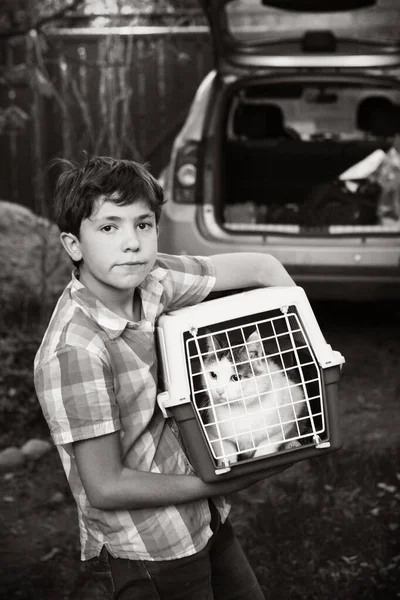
{"x": 63, "y": 12}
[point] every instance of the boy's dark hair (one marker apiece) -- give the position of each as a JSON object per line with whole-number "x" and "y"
{"x": 122, "y": 181}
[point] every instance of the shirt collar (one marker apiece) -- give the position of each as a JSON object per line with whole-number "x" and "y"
{"x": 110, "y": 322}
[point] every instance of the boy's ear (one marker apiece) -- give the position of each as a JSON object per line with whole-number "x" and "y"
{"x": 71, "y": 245}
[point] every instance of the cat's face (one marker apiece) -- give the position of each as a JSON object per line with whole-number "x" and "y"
{"x": 237, "y": 373}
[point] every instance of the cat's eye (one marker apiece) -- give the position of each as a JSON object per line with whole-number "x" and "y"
{"x": 235, "y": 377}
{"x": 213, "y": 375}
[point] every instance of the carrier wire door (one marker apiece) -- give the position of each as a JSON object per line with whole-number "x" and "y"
{"x": 259, "y": 388}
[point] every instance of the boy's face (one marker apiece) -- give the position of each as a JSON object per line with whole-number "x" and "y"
{"x": 117, "y": 246}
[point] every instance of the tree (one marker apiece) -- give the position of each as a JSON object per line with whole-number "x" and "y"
{"x": 18, "y": 17}
{"x": 37, "y": 93}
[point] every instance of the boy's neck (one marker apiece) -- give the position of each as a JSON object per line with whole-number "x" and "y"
{"x": 129, "y": 309}
{"x": 125, "y": 304}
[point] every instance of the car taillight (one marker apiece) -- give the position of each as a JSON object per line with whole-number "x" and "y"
{"x": 186, "y": 174}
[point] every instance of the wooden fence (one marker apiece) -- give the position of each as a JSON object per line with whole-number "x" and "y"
{"x": 115, "y": 91}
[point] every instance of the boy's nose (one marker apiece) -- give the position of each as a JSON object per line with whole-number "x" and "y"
{"x": 131, "y": 242}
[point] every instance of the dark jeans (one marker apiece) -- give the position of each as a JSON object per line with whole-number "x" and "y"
{"x": 218, "y": 572}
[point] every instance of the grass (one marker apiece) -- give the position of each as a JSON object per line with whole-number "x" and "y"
{"x": 325, "y": 529}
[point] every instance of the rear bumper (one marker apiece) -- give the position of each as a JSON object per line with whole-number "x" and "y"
{"x": 349, "y": 285}
{"x": 327, "y": 268}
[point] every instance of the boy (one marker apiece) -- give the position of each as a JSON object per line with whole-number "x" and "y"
{"x": 150, "y": 527}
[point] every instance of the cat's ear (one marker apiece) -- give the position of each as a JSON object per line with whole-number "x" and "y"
{"x": 254, "y": 345}
{"x": 212, "y": 343}
{"x": 254, "y": 337}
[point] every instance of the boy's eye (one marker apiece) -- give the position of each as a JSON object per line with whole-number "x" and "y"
{"x": 107, "y": 228}
{"x": 143, "y": 226}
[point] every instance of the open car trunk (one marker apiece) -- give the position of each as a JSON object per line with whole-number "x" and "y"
{"x": 285, "y": 145}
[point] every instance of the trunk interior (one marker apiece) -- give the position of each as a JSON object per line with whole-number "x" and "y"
{"x": 285, "y": 146}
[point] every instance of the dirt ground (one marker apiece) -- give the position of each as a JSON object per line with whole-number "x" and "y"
{"x": 40, "y": 544}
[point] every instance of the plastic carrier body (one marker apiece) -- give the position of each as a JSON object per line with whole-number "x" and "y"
{"x": 250, "y": 381}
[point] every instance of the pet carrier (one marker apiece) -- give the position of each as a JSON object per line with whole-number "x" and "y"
{"x": 250, "y": 381}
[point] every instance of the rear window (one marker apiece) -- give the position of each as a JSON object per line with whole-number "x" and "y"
{"x": 316, "y": 110}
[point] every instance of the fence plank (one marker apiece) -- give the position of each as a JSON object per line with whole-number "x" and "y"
{"x": 122, "y": 93}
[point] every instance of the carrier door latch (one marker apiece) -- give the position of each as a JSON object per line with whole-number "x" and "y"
{"x": 165, "y": 402}
{"x": 223, "y": 467}
{"x": 162, "y": 400}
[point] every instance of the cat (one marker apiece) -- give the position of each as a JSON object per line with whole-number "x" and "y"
{"x": 240, "y": 384}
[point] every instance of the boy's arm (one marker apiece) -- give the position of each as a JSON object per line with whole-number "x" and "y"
{"x": 248, "y": 269}
{"x": 111, "y": 485}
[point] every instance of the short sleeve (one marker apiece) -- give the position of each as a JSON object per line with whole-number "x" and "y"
{"x": 188, "y": 280}
{"x": 75, "y": 390}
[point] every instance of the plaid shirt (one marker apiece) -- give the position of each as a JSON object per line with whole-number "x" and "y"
{"x": 96, "y": 373}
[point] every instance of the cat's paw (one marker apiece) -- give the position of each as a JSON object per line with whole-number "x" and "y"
{"x": 265, "y": 450}
{"x": 292, "y": 444}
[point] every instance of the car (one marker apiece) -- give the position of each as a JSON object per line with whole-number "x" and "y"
{"x": 290, "y": 146}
